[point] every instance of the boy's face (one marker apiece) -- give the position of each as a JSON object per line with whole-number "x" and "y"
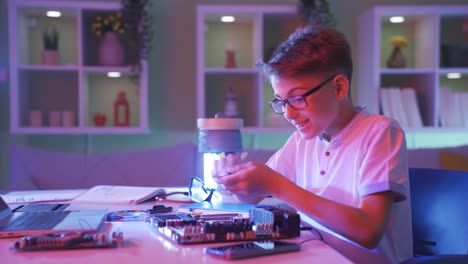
{"x": 322, "y": 106}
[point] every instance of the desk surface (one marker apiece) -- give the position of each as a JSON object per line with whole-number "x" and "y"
{"x": 144, "y": 245}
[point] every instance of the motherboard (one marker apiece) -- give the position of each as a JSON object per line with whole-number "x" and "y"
{"x": 262, "y": 223}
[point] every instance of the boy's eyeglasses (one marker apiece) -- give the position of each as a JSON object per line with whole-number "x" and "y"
{"x": 198, "y": 192}
{"x": 297, "y": 102}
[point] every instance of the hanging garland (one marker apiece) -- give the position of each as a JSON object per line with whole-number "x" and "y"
{"x": 315, "y": 12}
{"x": 136, "y": 15}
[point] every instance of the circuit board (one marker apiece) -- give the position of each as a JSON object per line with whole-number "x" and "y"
{"x": 260, "y": 224}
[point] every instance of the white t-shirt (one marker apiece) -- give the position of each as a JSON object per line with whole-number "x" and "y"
{"x": 368, "y": 156}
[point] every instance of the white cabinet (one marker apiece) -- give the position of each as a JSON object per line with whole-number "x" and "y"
{"x": 69, "y": 91}
{"x": 437, "y": 45}
{"x": 226, "y": 57}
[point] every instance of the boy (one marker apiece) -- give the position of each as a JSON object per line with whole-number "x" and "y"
{"x": 343, "y": 168}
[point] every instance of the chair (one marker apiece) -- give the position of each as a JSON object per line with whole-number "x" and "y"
{"x": 439, "y": 202}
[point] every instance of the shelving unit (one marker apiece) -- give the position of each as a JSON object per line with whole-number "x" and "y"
{"x": 256, "y": 31}
{"x": 428, "y": 29}
{"x": 78, "y": 83}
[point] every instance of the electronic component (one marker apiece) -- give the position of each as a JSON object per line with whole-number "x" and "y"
{"x": 69, "y": 240}
{"x": 136, "y": 215}
{"x": 263, "y": 223}
{"x": 128, "y": 216}
{"x": 286, "y": 222}
{"x": 252, "y": 249}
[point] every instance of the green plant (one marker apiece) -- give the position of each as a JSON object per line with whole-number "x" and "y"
{"x": 50, "y": 37}
{"x": 136, "y": 15}
{"x": 108, "y": 23}
{"x": 315, "y": 12}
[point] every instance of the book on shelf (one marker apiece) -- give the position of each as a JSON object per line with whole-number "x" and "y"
{"x": 402, "y": 105}
{"x": 398, "y": 106}
{"x": 464, "y": 110}
{"x": 452, "y": 108}
{"x": 411, "y": 107}
{"x": 444, "y": 112}
{"x": 392, "y": 105}
{"x": 114, "y": 194}
{"x": 385, "y": 103}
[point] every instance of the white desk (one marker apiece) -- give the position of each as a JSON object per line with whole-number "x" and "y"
{"x": 144, "y": 245}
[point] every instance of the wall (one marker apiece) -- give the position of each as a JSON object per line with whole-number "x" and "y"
{"x": 3, "y": 94}
{"x": 172, "y": 79}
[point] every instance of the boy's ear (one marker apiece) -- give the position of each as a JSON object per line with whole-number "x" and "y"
{"x": 341, "y": 86}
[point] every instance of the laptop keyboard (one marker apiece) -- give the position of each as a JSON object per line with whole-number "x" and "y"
{"x": 34, "y": 220}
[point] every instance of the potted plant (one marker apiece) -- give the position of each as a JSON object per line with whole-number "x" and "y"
{"x": 50, "y": 54}
{"x": 108, "y": 27}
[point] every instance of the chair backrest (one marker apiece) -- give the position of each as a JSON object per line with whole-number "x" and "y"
{"x": 439, "y": 201}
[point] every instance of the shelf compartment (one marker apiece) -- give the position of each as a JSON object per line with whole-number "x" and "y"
{"x": 417, "y": 29}
{"x": 64, "y": 88}
{"x": 239, "y": 36}
{"x": 47, "y": 91}
{"x": 91, "y": 41}
{"x": 427, "y": 29}
{"x": 257, "y": 30}
{"x": 453, "y": 101}
{"x": 101, "y": 93}
{"x": 454, "y": 41}
{"x": 32, "y": 22}
{"x": 244, "y": 87}
{"x": 423, "y": 84}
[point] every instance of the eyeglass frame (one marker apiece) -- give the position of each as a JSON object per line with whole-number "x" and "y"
{"x": 302, "y": 96}
{"x": 204, "y": 187}
{"x": 209, "y": 191}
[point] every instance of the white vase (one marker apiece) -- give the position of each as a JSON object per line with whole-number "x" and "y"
{"x": 111, "y": 51}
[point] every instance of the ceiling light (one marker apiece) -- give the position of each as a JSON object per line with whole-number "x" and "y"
{"x": 52, "y": 13}
{"x": 397, "y": 19}
{"x": 228, "y": 19}
{"x": 113, "y": 74}
{"x": 453, "y": 75}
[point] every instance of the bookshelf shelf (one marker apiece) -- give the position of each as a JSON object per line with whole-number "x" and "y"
{"x": 428, "y": 30}
{"x": 257, "y": 29}
{"x": 75, "y": 85}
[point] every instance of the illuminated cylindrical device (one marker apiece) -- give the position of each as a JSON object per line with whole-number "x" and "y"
{"x": 217, "y": 138}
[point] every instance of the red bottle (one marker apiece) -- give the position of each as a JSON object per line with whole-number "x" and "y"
{"x": 230, "y": 58}
{"x": 121, "y": 110}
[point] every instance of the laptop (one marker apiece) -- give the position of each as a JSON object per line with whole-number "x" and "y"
{"x": 29, "y": 222}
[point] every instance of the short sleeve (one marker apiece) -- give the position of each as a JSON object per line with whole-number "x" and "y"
{"x": 385, "y": 166}
{"x": 283, "y": 161}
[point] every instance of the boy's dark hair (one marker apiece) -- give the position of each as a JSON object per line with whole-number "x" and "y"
{"x": 310, "y": 49}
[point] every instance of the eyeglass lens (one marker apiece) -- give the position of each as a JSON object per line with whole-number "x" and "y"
{"x": 199, "y": 192}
